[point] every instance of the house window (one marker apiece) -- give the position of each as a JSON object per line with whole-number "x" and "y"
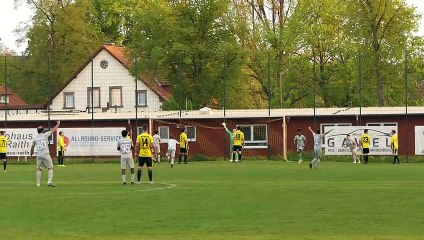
{"x": 163, "y": 132}
{"x": 324, "y": 127}
{"x": 191, "y": 133}
{"x": 96, "y": 96}
{"x": 383, "y": 124}
{"x": 4, "y": 99}
{"x": 115, "y": 96}
{"x": 69, "y": 100}
{"x": 141, "y": 98}
{"x": 255, "y": 136}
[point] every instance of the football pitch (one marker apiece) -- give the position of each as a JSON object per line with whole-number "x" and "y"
{"x": 216, "y": 200}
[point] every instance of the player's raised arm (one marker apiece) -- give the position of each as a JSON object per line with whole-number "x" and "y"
{"x": 328, "y": 132}
{"x": 310, "y": 129}
{"x": 129, "y": 128}
{"x": 56, "y": 127}
{"x": 225, "y": 127}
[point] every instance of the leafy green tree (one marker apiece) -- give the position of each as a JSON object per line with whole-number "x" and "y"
{"x": 60, "y": 39}
{"x": 189, "y": 43}
{"x": 383, "y": 29}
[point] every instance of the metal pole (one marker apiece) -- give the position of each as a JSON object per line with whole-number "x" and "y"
{"x": 136, "y": 99}
{"x": 314, "y": 88}
{"x": 48, "y": 89}
{"x": 5, "y": 91}
{"x": 92, "y": 100}
{"x": 224, "y": 77}
{"x": 280, "y": 76}
{"x": 92, "y": 93}
{"x": 269, "y": 84}
{"x": 179, "y": 83}
{"x": 360, "y": 86}
{"x": 406, "y": 106}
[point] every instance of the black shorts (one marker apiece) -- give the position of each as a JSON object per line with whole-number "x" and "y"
{"x": 365, "y": 150}
{"x": 236, "y": 148}
{"x": 3, "y": 156}
{"x": 183, "y": 150}
{"x": 145, "y": 160}
{"x": 60, "y": 153}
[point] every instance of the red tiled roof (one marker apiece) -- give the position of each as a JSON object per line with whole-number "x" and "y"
{"x": 15, "y": 102}
{"x": 120, "y": 54}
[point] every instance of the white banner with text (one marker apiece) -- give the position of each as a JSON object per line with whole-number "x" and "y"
{"x": 335, "y": 141}
{"x": 91, "y": 141}
{"x": 419, "y": 140}
{"x": 20, "y": 141}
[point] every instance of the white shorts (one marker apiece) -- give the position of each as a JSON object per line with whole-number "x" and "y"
{"x": 44, "y": 161}
{"x": 300, "y": 149}
{"x": 125, "y": 161}
{"x": 171, "y": 153}
{"x": 157, "y": 147}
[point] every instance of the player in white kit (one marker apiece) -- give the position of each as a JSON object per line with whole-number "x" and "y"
{"x": 317, "y": 147}
{"x": 125, "y": 147}
{"x": 156, "y": 145}
{"x": 300, "y": 142}
{"x": 41, "y": 143}
{"x": 172, "y": 148}
{"x": 352, "y": 145}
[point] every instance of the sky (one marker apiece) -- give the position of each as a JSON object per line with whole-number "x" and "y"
{"x": 11, "y": 18}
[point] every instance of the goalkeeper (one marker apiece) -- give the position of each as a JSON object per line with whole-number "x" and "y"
{"x": 231, "y": 140}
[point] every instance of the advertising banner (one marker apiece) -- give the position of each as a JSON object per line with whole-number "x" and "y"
{"x": 419, "y": 140}
{"x": 91, "y": 141}
{"x": 20, "y": 141}
{"x": 335, "y": 141}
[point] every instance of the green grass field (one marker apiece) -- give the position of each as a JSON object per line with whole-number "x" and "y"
{"x": 217, "y": 200}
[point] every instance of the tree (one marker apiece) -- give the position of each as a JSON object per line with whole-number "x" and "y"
{"x": 189, "y": 43}
{"x": 383, "y": 27}
{"x": 60, "y": 39}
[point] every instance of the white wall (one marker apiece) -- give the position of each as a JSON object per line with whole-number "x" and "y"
{"x": 114, "y": 75}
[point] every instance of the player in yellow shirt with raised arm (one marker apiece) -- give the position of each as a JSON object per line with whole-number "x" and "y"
{"x": 143, "y": 150}
{"x": 365, "y": 144}
{"x": 238, "y": 143}
{"x": 3, "y": 148}
{"x": 183, "y": 145}
{"x": 395, "y": 146}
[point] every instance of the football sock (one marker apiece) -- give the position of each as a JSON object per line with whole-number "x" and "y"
{"x": 314, "y": 162}
{"x": 139, "y": 175}
{"x": 132, "y": 177}
{"x": 239, "y": 157}
{"x": 179, "y": 158}
{"x": 123, "y": 178}
{"x": 172, "y": 161}
{"x": 300, "y": 156}
{"x": 158, "y": 158}
{"x": 185, "y": 158}
{"x": 38, "y": 177}
{"x": 234, "y": 156}
{"x": 150, "y": 172}
{"x": 4, "y": 165}
{"x": 50, "y": 176}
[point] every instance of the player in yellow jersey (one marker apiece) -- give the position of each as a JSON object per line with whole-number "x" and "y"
{"x": 395, "y": 146}
{"x": 238, "y": 143}
{"x": 183, "y": 145}
{"x": 3, "y": 148}
{"x": 61, "y": 148}
{"x": 143, "y": 150}
{"x": 365, "y": 144}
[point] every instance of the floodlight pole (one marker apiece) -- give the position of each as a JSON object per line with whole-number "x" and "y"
{"x": 406, "y": 105}
{"x": 5, "y": 90}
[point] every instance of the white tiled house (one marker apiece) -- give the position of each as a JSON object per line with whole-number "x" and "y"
{"x": 113, "y": 85}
